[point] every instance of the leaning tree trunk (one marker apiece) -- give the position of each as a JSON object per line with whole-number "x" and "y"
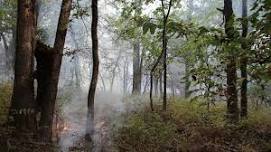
{"x": 232, "y": 101}
{"x": 47, "y": 97}
{"x": 243, "y": 64}
{"x": 23, "y": 104}
{"x": 95, "y": 71}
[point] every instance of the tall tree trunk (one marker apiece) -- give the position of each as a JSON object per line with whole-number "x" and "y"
{"x": 125, "y": 78}
{"x": 5, "y": 43}
{"x": 173, "y": 88}
{"x": 112, "y": 79}
{"x": 232, "y": 101}
{"x": 243, "y": 64}
{"x": 23, "y": 104}
{"x": 165, "y": 68}
{"x": 263, "y": 93}
{"x": 6, "y": 47}
{"x": 186, "y": 80}
{"x": 47, "y": 97}
{"x": 151, "y": 88}
{"x": 9, "y": 52}
{"x": 165, "y": 42}
{"x": 115, "y": 66}
{"x": 77, "y": 68}
{"x": 163, "y": 56}
{"x": 156, "y": 86}
{"x": 103, "y": 82}
{"x": 95, "y": 72}
{"x": 136, "y": 69}
{"x": 161, "y": 84}
{"x": 151, "y": 79}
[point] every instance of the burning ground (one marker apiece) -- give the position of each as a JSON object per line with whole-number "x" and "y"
{"x": 107, "y": 107}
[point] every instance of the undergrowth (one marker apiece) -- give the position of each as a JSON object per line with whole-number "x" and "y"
{"x": 5, "y": 97}
{"x": 190, "y": 126}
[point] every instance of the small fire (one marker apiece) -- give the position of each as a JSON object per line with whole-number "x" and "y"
{"x": 66, "y": 127}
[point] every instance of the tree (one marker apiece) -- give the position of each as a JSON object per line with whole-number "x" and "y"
{"x": 48, "y": 68}
{"x": 95, "y": 71}
{"x": 186, "y": 61}
{"x": 244, "y": 60}
{"x": 232, "y": 101}
{"x": 136, "y": 68}
{"x": 128, "y": 29}
{"x": 165, "y": 43}
{"x": 23, "y": 106}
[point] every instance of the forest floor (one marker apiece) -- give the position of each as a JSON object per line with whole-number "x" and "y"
{"x": 191, "y": 127}
{"x": 106, "y": 108}
{"x": 128, "y": 125}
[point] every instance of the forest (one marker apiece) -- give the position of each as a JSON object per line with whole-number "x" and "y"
{"x": 135, "y": 75}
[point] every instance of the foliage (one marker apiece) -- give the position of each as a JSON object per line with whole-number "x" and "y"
{"x": 7, "y": 15}
{"x": 261, "y": 16}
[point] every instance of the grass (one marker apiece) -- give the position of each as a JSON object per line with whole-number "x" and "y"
{"x": 189, "y": 126}
{"x": 5, "y": 97}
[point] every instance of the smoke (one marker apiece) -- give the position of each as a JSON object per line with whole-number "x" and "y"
{"x": 74, "y": 114}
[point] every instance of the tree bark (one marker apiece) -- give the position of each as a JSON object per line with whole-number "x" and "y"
{"x": 136, "y": 69}
{"x": 232, "y": 101}
{"x": 77, "y": 68}
{"x": 23, "y": 104}
{"x": 125, "y": 76}
{"x": 44, "y": 56}
{"x": 165, "y": 42}
{"x": 156, "y": 86}
{"x": 50, "y": 79}
{"x": 186, "y": 80}
{"x": 151, "y": 91}
{"x": 95, "y": 72}
{"x": 5, "y": 43}
{"x": 9, "y": 46}
{"x": 115, "y": 67}
{"x": 6, "y": 47}
{"x": 243, "y": 64}
{"x": 161, "y": 84}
